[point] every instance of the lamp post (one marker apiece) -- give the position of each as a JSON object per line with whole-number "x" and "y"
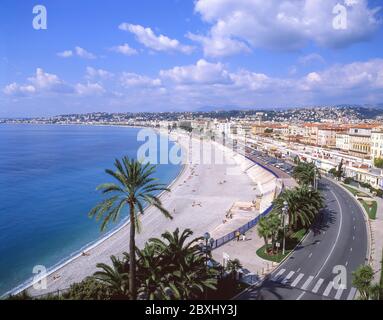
{"x": 206, "y": 248}
{"x": 285, "y": 210}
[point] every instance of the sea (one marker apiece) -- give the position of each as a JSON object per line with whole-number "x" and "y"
{"x": 48, "y": 180}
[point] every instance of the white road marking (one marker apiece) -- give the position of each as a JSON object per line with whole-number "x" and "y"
{"x": 339, "y": 293}
{"x": 351, "y": 295}
{"x": 275, "y": 278}
{"x": 351, "y": 249}
{"x": 299, "y": 270}
{"x": 328, "y": 289}
{"x": 288, "y": 277}
{"x": 346, "y": 263}
{"x": 301, "y": 295}
{"x": 318, "y": 285}
{"x": 338, "y": 235}
{"x": 310, "y": 255}
{"x": 297, "y": 279}
{"x": 307, "y": 283}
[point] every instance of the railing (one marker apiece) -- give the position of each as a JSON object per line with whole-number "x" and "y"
{"x": 251, "y": 224}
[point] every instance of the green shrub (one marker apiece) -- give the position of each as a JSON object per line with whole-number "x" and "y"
{"x": 88, "y": 289}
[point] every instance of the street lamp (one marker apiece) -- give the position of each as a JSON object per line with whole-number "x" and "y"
{"x": 285, "y": 210}
{"x": 206, "y": 248}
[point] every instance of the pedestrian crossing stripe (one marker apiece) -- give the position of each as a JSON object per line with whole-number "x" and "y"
{"x": 330, "y": 290}
{"x": 285, "y": 280}
{"x": 307, "y": 283}
{"x": 318, "y": 285}
{"x": 297, "y": 279}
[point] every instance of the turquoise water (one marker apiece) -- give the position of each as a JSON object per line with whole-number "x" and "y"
{"x": 48, "y": 176}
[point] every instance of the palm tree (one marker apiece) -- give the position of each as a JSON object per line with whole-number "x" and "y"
{"x": 151, "y": 274}
{"x": 274, "y": 221}
{"x": 134, "y": 189}
{"x": 233, "y": 267}
{"x": 116, "y": 277}
{"x": 306, "y": 173}
{"x": 187, "y": 271}
{"x": 264, "y": 231}
{"x": 362, "y": 279}
{"x": 303, "y": 205}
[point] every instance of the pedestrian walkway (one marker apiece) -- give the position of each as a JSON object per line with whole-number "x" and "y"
{"x": 246, "y": 252}
{"x": 309, "y": 283}
{"x": 377, "y": 236}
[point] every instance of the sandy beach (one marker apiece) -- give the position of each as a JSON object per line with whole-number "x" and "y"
{"x": 199, "y": 199}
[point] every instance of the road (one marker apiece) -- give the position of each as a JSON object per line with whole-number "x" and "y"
{"x": 339, "y": 238}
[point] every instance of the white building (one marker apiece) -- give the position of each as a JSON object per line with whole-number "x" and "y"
{"x": 377, "y": 143}
{"x": 343, "y": 141}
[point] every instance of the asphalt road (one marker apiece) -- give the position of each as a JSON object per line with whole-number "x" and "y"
{"x": 338, "y": 239}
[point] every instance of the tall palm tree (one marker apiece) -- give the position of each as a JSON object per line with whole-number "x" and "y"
{"x": 134, "y": 188}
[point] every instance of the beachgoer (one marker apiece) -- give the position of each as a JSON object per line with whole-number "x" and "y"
{"x": 243, "y": 237}
{"x": 238, "y": 234}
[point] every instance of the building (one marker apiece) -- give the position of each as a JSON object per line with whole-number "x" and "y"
{"x": 360, "y": 141}
{"x": 259, "y": 129}
{"x": 311, "y": 134}
{"x": 377, "y": 143}
{"x": 342, "y": 141}
{"x": 327, "y": 136}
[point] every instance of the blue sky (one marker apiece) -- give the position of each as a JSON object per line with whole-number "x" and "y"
{"x": 145, "y": 55}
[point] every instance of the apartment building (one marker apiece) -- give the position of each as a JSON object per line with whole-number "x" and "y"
{"x": 342, "y": 141}
{"x": 377, "y": 143}
{"x": 327, "y": 136}
{"x": 311, "y": 134}
{"x": 360, "y": 141}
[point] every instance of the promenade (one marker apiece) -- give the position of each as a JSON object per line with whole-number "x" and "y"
{"x": 199, "y": 200}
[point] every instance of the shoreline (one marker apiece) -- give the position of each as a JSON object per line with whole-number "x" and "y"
{"x": 196, "y": 187}
{"x": 94, "y": 244}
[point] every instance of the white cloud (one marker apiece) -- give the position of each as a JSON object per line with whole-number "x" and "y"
{"x": 41, "y": 82}
{"x": 219, "y": 45}
{"x": 14, "y": 89}
{"x": 124, "y": 49}
{"x": 82, "y": 53}
{"x": 92, "y": 73}
{"x": 65, "y": 54}
{"x": 280, "y": 24}
{"x": 311, "y": 58}
{"x": 129, "y": 79}
{"x": 78, "y": 51}
{"x": 202, "y": 72}
{"x": 89, "y": 89}
{"x": 149, "y": 39}
{"x": 189, "y": 87}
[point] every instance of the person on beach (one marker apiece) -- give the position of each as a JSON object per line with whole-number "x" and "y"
{"x": 243, "y": 237}
{"x": 237, "y": 234}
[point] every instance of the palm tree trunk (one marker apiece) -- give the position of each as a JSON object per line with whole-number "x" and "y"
{"x": 132, "y": 255}
{"x": 266, "y": 244}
